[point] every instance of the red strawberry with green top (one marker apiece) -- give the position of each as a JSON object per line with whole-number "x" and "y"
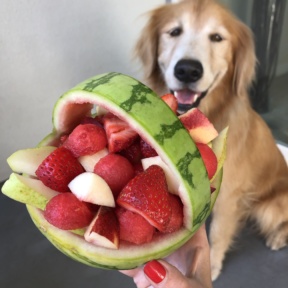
{"x": 147, "y": 150}
{"x": 171, "y": 101}
{"x": 147, "y": 194}
{"x": 86, "y": 139}
{"x": 58, "y": 169}
{"x": 119, "y": 134}
{"x": 66, "y": 212}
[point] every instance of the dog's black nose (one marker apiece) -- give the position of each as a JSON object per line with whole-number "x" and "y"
{"x": 188, "y": 70}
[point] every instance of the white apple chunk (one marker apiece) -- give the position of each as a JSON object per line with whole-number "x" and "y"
{"x": 90, "y": 187}
{"x": 104, "y": 229}
{"x": 219, "y": 148}
{"x": 101, "y": 110}
{"x": 89, "y": 161}
{"x": 172, "y": 182}
{"x": 198, "y": 125}
{"x": 27, "y": 161}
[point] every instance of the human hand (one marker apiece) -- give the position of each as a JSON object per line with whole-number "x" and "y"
{"x": 188, "y": 267}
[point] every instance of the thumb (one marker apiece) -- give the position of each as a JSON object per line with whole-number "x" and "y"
{"x": 162, "y": 274}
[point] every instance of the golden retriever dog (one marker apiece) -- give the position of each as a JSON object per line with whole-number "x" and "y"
{"x": 201, "y": 52}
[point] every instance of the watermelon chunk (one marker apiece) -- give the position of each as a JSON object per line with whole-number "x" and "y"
{"x": 133, "y": 227}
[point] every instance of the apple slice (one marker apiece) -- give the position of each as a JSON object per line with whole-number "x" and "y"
{"x": 90, "y": 187}
{"x": 173, "y": 184}
{"x": 219, "y": 145}
{"x": 26, "y": 161}
{"x": 89, "y": 161}
{"x": 101, "y": 111}
{"x": 199, "y": 126}
{"x": 104, "y": 229}
{"x": 28, "y": 190}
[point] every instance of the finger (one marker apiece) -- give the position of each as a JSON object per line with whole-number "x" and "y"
{"x": 138, "y": 276}
{"x": 200, "y": 264}
{"x": 200, "y": 267}
{"x": 130, "y": 273}
{"x": 190, "y": 255}
{"x": 200, "y": 238}
{"x": 161, "y": 274}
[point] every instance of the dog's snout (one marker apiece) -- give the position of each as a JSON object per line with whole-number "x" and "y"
{"x": 188, "y": 70}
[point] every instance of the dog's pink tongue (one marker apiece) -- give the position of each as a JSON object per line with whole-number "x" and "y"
{"x": 186, "y": 96}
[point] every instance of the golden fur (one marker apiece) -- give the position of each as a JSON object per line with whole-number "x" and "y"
{"x": 255, "y": 182}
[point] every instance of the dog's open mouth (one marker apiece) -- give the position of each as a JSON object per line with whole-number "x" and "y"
{"x": 188, "y": 99}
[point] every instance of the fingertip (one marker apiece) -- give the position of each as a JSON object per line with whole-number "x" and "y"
{"x": 155, "y": 271}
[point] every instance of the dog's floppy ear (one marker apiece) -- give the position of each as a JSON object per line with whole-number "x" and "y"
{"x": 146, "y": 50}
{"x": 245, "y": 59}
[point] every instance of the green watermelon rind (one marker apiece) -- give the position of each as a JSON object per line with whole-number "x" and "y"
{"x": 80, "y": 250}
{"x": 217, "y": 184}
{"x": 149, "y": 115}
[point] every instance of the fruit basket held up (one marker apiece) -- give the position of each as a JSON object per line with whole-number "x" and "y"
{"x": 183, "y": 163}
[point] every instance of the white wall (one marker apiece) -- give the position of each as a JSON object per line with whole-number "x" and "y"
{"x": 47, "y": 47}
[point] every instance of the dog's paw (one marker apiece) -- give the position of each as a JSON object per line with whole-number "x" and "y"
{"x": 215, "y": 272}
{"x": 276, "y": 241}
{"x": 216, "y": 266}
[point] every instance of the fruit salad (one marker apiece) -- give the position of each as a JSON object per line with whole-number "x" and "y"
{"x": 122, "y": 179}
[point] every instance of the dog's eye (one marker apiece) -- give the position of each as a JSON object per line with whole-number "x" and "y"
{"x": 175, "y": 32}
{"x": 215, "y": 37}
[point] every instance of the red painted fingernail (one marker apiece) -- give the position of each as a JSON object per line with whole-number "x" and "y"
{"x": 155, "y": 271}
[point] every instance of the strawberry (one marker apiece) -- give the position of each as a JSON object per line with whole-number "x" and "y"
{"x": 116, "y": 170}
{"x": 119, "y": 134}
{"x": 58, "y": 169}
{"x": 133, "y": 152}
{"x": 66, "y": 212}
{"x": 171, "y": 101}
{"x": 146, "y": 150}
{"x": 63, "y": 138}
{"x": 86, "y": 139}
{"x": 138, "y": 168}
{"x": 147, "y": 194}
{"x": 176, "y": 220}
{"x": 133, "y": 227}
